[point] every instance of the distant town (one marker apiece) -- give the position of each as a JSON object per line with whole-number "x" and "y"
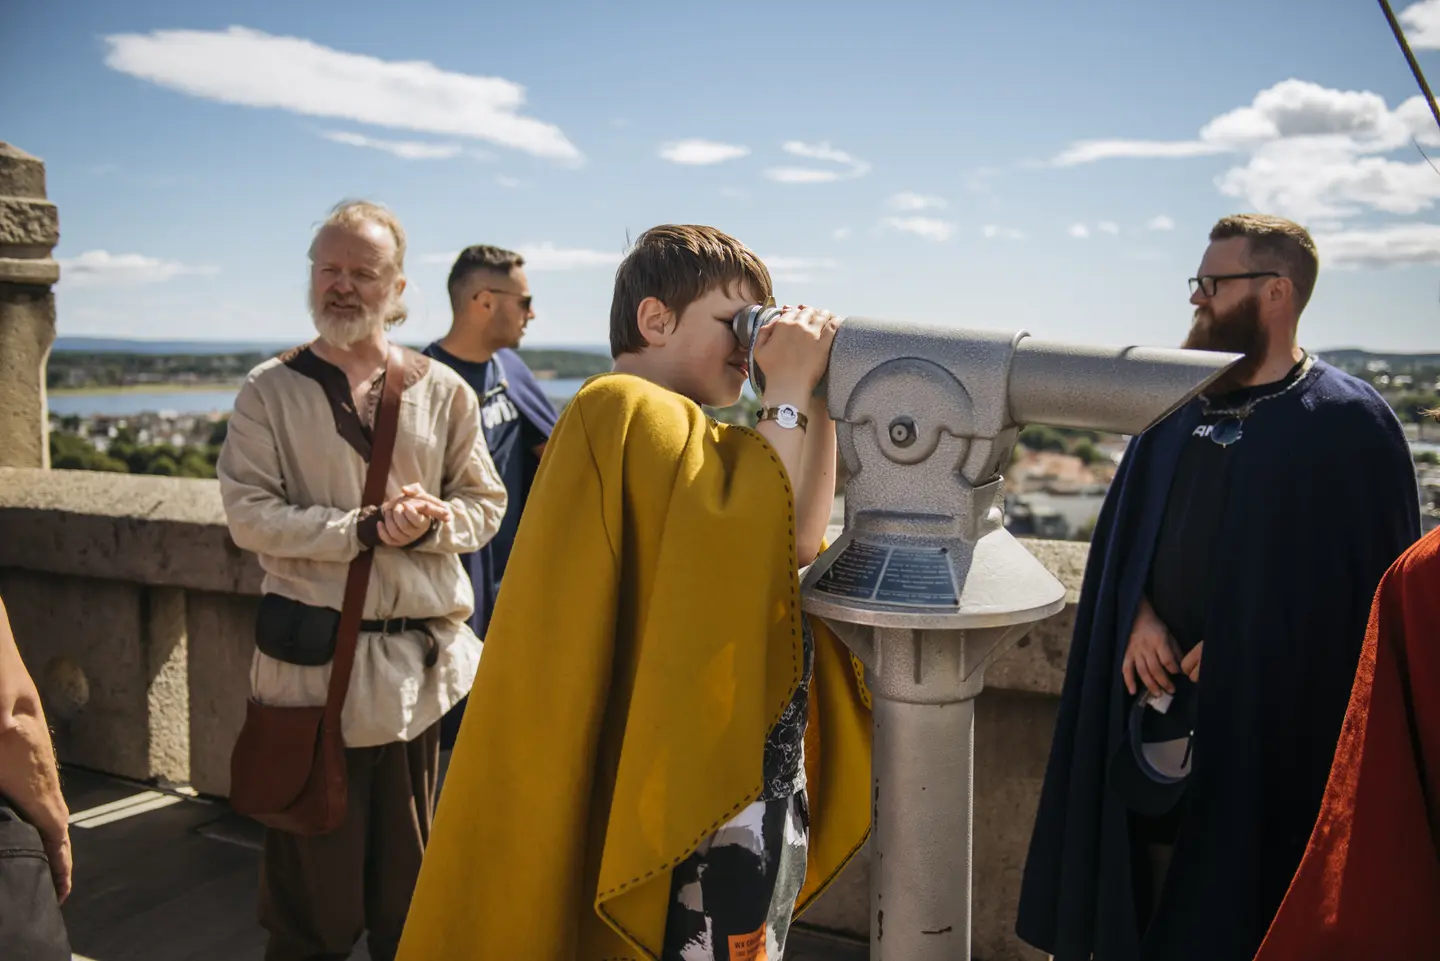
{"x": 1054, "y": 486}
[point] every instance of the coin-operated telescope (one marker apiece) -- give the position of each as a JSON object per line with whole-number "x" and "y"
{"x": 926, "y": 586}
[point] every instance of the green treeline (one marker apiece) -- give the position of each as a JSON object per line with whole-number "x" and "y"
{"x": 126, "y": 455}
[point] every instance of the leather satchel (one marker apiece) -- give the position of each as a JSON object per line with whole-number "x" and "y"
{"x": 287, "y": 770}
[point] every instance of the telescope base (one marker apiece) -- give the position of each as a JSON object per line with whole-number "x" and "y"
{"x": 921, "y": 861}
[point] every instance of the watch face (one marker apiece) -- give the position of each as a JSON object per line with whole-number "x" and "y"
{"x": 786, "y": 415}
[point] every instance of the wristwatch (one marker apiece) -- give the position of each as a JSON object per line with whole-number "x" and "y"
{"x": 787, "y": 416}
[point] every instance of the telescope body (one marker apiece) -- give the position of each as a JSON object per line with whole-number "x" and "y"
{"x": 927, "y": 587}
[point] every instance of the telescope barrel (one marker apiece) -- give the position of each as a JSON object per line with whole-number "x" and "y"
{"x": 1123, "y": 390}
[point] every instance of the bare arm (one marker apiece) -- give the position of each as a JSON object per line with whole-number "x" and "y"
{"x": 809, "y": 459}
{"x": 794, "y": 351}
{"x": 789, "y": 444}
{"x": 815, "y": 501}
{"x": 28, "y": 774}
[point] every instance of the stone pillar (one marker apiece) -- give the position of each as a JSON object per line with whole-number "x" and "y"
{"x": 29, "y": 230}
{"x": 167, "y": 670}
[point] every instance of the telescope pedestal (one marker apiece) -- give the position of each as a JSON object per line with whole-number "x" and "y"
{"x": 920, "y": 868}
{"x": 923, "y": 684}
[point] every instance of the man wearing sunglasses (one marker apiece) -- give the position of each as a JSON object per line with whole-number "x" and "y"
{"x": 1240, "y": 546}
{"x": 491, "y": 306}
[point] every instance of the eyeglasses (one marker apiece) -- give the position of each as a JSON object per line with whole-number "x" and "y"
{"x": 1211, "y": 282}
{"x": 525, "y": 299}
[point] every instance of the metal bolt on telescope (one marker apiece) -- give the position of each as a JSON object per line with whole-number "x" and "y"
{"x": 926, "y": 586}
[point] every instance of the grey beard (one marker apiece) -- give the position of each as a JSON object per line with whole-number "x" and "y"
{"x": 345, "y": 333}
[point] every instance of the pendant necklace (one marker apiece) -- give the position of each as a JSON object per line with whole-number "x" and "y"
{"x": 1231, "y": 426}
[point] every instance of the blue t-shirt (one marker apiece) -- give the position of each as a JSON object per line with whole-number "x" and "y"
{"x": 516, "y": 417}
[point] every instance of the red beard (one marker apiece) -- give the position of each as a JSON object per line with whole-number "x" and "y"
{"x": 1237, "y": 331}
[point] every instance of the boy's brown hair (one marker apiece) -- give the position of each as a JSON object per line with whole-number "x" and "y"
{"x": 678, "y": 264}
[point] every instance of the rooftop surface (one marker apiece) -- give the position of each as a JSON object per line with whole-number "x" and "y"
{"x": 163, "y": 876}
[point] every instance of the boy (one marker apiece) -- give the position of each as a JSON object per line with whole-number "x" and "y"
{"x": 664, "y": 758}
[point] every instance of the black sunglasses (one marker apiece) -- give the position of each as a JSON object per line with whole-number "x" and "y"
{"x": 1209, "y": 283}
{"x": 525, "y": 299}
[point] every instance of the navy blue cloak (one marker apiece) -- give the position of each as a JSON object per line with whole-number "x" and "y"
{"x": 1323, "y": 499}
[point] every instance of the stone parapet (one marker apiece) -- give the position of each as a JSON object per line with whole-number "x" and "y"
{"x": 156, "y": 531}
{"x": 135, "y": 612}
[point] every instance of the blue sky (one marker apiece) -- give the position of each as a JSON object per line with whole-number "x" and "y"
{"x": 1054, "y": 167}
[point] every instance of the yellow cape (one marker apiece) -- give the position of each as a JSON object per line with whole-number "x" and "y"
{"x": 646, "y": 639}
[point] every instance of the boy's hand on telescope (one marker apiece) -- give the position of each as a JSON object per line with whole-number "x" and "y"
{"x": 794, "y": 349}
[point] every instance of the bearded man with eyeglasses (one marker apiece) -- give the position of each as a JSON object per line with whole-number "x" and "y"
{"x": 491, "y": 307}
{"x": 1247, "y": 531}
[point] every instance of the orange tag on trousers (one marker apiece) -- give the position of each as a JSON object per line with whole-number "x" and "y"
{"x": 748, "y": 947}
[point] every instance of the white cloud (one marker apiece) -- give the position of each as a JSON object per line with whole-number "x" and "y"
{"x": 994, "y": 231}
{"x": 255, "y": 69}
{"x": 1108, "y": 227}
{"x": 1395, "y": 244}
{"x": 817, "y": 175}
{"x": 819, "y": 151}
{"x": 803, "y": 175}
{"x": 928, "y": 227}
{"x": 1079, "y": 231}
{"x": 1309, "y": 152}
{"x": 800, "y": 263}
{"x": 906, "y": 200}
{"x": 406, "y": 149}
{"x": 100, "y": 268}
{"x": 1422, "y": 24}
{"x": 842, "y": 233}
{"x": 1161, "y": 222}
{"x": 1089, "y": 151}
{"x": 699, "y": 152}
{"x": 547, "y": 256}
{"x": 1307, "y": 182}
{"x": 798, "y": 270}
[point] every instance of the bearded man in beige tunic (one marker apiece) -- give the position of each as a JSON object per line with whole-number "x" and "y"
{"x": 292, "y": 474}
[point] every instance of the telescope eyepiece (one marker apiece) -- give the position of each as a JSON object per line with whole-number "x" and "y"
{"x": 748, "y": 320}
{"x": 746, "y": 325}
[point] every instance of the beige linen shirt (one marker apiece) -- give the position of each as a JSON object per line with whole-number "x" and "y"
{"x": 292, "y": 475}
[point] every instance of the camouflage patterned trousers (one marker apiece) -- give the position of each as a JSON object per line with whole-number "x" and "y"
{"x": 733, "y": 898}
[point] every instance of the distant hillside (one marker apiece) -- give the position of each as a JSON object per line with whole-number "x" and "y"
{"x": 193, "y": 348}
{"x": 189, "y": 348}
{"x": 1354, "y": 359}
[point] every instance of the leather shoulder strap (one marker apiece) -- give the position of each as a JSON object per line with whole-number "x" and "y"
{"x": 387, "y": 421}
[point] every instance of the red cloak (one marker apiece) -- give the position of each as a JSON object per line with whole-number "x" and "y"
{"x": 1369, "y": 884}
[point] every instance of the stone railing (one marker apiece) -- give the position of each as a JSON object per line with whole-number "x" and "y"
{"x": 134, "y": 611}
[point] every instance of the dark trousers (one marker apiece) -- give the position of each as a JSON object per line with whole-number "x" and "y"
{"x": 31, "y": 925}
{"x": 318, "y": 894}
